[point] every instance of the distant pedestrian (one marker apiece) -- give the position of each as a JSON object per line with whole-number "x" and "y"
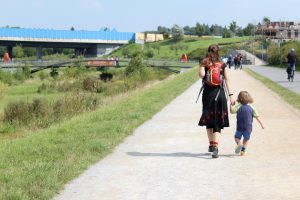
{"x": 240, "y": 61}
{"x": 214, "y": 116}
{"x": 236, "y": 61}
{"x": 245, "y": 113}
{"x": 292, "y": 61}
{"x": 117, "y": 61}
{"x": 229, "y": 61}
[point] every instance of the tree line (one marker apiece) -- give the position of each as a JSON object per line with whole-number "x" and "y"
{"x": 204, "y": 29}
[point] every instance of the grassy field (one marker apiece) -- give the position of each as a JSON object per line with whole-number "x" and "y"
{"x": 38, "y": 165}
{"x": 290, "y": 97}
{"x": 191, "y": 44}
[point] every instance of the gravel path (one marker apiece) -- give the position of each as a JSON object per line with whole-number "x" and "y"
{"x": 166, "y": 157}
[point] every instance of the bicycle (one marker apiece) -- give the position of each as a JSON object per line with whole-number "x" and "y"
{"x": 291, "y": 74}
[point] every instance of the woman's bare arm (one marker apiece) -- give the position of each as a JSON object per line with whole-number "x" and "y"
{"x": 201, "y": 71}
{"x": 228, "y": 85}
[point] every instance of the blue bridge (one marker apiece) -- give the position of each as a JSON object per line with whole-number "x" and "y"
{"x": 87, "y": 43}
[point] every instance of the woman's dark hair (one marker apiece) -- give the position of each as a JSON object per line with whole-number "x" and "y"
{"x": 212, "y": 55}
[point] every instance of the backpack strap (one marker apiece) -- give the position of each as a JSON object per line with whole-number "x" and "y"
{"x": 201, "y": 89}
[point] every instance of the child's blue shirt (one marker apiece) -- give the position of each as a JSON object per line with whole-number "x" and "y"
{"x": 245, "y": 114}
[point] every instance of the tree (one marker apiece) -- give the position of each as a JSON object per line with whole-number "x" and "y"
{"x": 164, "y": 30}
{"x": 189, "y": 30}
{"x": 233, "y": 27}
{"x": 206, "y": 29}
{"x": 226, "y": 33}
{"x": 266, "y": 21}
{"x": 239, "y": 32}
{"x": 216, "y": 29}
{"x": 177, "y": 32}
{"x": 135, "y": 64}
{"x": 2, "y": 51}
{"x": 29, "y": 51}
{"x": 248, "y": 30}
{"x": 18, "y": 51}
{"x": 72, "y": 28}
{"x": 199, "y": 29}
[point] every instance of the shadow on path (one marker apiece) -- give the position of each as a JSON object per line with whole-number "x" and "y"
{"x": 180, "y": 154}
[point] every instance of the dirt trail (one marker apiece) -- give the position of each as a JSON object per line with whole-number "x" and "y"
{"x": 166, "y": 157}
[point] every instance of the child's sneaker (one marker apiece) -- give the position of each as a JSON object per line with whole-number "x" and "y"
{"x": 210, "y": 148}
{"x": 238, "y": 149}
{"x": 243, "y": 153}
{"x": 215, "y": 152}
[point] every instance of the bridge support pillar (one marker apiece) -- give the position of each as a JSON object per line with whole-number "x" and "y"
{"x": 10, "y": 51}
{"x": 39, "y": 53}
{"x": 80, "y": 52}
{"x": 104, "y": 49}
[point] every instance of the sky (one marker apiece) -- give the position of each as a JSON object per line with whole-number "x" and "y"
{"x": 141, "y": 15}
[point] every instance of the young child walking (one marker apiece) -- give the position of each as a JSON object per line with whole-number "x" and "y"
{"x": 245, "y": 113}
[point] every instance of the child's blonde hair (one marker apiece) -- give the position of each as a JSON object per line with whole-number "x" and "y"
{"x": 244, "y": 98}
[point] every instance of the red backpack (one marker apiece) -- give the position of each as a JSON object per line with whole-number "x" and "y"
{"x": 214, "y": 75}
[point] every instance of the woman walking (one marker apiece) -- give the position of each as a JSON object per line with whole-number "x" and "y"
{"x": 215, "y": 111}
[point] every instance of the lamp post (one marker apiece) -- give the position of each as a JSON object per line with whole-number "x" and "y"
{"x": 253, "y": 41}
{"x": 280, "y": 41}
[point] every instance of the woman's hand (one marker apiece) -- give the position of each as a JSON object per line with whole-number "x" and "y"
{"x": 232, "y": 101}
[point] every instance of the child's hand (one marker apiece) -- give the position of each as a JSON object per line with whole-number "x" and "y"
{"x": 232, "y": 103}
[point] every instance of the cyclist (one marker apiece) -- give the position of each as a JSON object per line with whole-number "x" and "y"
{"x": 292, "y": 60}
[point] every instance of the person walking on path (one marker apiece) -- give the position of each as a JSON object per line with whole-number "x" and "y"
{"x": 229, "y": 61}
{"x": 215, "y": 111}
{"x": 245, "y": 114}
{"x": 292, "y": 60}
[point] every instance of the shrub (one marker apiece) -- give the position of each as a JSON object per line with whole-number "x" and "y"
{"x": 90, "y": 84}
{"x": 19, "y": 75}
{"x": 26, "y": 71}
{"x": 273, "y": 55}
{"x": 54, "y": 73}
{"x": 47, "y": 88}
{"x": 27, "y": 114}
{"x": 106, "y": 76}
{"x": 6, "y": 77}
{"x": 149, "y": 53}
{"x": 40, "y": 114}
{"x": 42, "y": 75}
{"x": 73, "y": 104}
{"x": 18, "y": 113}
{"x": 135, "y": 64}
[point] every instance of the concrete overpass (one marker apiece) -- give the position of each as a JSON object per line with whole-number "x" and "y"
{"x": 89, "y": 43}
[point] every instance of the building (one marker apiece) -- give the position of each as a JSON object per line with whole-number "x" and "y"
{"x": 148, "y": 37}
{"x": 280, "y": 30}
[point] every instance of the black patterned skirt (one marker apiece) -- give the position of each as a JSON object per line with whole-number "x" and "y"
{"x": 214, "y": 113}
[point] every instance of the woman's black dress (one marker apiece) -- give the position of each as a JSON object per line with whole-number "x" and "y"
{"x": 214, "y": 113}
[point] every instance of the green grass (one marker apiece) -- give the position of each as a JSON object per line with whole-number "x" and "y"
{"x": 193, "y": 43}
{"x": 38, "y": 166}
{"x": 290, "y": 97}
{"x": 25, "y": 91}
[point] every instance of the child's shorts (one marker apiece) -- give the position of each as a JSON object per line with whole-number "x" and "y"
{"x": 246, "y": 135}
